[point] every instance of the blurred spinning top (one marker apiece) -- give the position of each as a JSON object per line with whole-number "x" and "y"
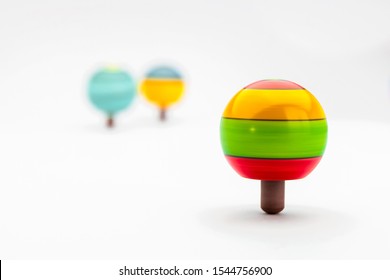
{"x": 111, "y": 90}
{"x": 163, "y": 86}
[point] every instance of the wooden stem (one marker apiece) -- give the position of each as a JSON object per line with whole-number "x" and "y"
{"x": 110, "y": 121}
{"x": 272, "y": 196}
{"x": 163, "y": 114}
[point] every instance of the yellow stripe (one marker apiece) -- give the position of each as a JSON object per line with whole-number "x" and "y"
{"x": 295, "y": 104}
{"x": 112, "y": 68}
{"x": 162, "y": 92}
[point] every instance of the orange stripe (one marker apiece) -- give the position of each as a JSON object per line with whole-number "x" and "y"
{"x": 274, "y": 104}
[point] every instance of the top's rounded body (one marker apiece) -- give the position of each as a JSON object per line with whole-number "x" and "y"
{"x": 111, "y": 90}
{"x": 273, "y": 130}
{"x": 163, "y": 86}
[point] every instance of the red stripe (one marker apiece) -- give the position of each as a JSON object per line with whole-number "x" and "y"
{"x": 273, "y": 169}
{"x": 274, "y": 84}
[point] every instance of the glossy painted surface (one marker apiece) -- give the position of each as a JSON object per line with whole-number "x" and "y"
{"x": 274, "y": 84}
{"x": 163, "y": 93}
{"x": 274, "y": 104}
{"x": 273, "y": 139}
{"x": 272, "y": 169}
{"x": 111, "y": 90}
{"x": 163, "y": 86}
{"x": 273, "y": 130}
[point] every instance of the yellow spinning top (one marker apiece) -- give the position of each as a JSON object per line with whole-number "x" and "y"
{"x": 163, "y": 86}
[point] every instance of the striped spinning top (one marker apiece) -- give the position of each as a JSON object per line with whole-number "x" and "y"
{"x": 273, "y": 130}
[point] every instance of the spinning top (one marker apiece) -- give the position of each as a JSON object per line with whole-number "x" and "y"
{"x": 111, "y": 90}
{"x": 273, "y": 130}
{"x": 163, "y": 86}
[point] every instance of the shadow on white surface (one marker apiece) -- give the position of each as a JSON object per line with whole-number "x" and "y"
{"x": 134, "y": 125}
{"x": 300, "y": 223}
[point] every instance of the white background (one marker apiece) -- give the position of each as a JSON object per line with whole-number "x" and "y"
{"x": 70, "y": 188}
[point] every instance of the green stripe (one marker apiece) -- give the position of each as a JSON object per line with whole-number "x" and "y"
{"x": 271, "y": 139}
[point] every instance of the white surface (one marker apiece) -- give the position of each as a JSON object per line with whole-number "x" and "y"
{"x": 71, "y": 189}
{"x": 165, "y": 191}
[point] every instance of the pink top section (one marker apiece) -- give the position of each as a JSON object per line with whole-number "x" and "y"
{"x": 273, "y": 84}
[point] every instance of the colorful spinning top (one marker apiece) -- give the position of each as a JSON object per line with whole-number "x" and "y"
{"x": 163, "y": 86}
{"x": 111, "y": 90}
{"x": 273, "y": 130}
